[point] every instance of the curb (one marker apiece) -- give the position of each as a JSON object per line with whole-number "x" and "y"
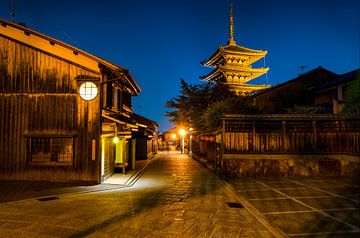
{"x": 128, "y": 183}
{"x": 253, "y": 211}
{"x": 278, "y": 233}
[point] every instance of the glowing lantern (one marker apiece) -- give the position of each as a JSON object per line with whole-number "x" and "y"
{"x": 88, "y": 91}
{"x": 116, "y": 139}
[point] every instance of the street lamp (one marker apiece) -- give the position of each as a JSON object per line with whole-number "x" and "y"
{"x": 182, "y": 133}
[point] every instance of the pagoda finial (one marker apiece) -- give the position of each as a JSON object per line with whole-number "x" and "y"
{"x": 231, "y": 26}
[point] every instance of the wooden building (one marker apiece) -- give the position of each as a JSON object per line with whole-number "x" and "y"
{"x": 295, "y": 92}
{"x": 146, "y": 137}
{"x": 333, "y": 94}
{"x": 65, "y": 114}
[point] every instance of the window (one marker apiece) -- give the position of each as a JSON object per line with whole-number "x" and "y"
{"x": 127, "y": 99}
{"x": 51, "y": 151}
{"x": 88, "y": 91}
{"x": 109, "y": 96}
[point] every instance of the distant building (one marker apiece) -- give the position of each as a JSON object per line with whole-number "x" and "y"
{"x": 333, "y": 94}
{"x": 65, "y": 114}
{"x": 146, "y": 137}
{"x": 232, "y": 65}
{"x": 171, "y": 136}
{"x": 320, "y": 89}
{"x": 295, "y": 92}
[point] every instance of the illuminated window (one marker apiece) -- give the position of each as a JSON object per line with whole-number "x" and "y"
{"x": 50, "y": 151}
{"x": 88, "y": 91}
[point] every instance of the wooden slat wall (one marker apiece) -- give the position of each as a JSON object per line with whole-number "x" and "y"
{"x": 38, "y": 96}
{"x": 298, "y": 140}
{"x": 109, "y": 162}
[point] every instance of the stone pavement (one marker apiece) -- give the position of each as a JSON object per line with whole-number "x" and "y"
{"x": 19, "y": 190}
{"x": 306, "y": 207}
{"x": 174, "y": 197}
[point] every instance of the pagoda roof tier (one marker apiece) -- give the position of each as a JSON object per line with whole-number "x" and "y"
{"x": 234, "y": 50}
{"x": 238, "y": 75}
{"x": 247, "y": 87}
{"x": 241, "y": 89}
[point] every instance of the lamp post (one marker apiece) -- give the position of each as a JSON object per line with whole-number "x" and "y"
{"x": 182, "y": 133}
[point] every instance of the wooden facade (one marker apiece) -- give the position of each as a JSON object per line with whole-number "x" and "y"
{"x": 332, "y": 95}
{"x": 146, "y": 137}
{"x": 48, "y": 132}
{"x": 295, "y": 92}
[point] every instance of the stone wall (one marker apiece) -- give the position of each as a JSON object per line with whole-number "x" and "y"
{"x": 291, "y": 167}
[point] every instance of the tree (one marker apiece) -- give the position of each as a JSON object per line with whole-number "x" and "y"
{"x": 231, "y": 105}
{"x": 190, "y": 105}
{"x": 306, "y": 110}
{"x": 352, "y": 104}
{"x": 190, "y": 108}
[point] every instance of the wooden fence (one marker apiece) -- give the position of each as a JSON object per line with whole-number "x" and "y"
{"x": 279, "y": 134}
{"x": 210, "y": 150}
{"x": 293, "y": 134}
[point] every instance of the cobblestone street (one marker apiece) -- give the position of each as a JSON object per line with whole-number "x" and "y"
{"x": 174, "y": 197}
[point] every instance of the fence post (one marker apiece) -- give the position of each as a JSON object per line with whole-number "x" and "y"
{"x": 314, "y": 135}
{"x": 283, "y": 136}
{"x": 253, "y": 135}
{"x": 222, "y": 148}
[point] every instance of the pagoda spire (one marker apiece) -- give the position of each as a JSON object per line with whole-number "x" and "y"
{"x": 233, "y": 65}
{"x": 231, "y": 26}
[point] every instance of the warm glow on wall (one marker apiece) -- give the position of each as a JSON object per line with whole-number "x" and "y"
{"x": 88, "y": 91}
{"x": 173, "y": 136}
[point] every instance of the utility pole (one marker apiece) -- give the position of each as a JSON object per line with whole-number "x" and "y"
{"x": 13, "y": 11}
{"x": 302, "y": 67}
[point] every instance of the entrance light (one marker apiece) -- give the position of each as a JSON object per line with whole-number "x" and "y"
{"x": 116, "y": 139}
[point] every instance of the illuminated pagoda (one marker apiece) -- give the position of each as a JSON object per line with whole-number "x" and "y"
{"x": 232, "y": 65}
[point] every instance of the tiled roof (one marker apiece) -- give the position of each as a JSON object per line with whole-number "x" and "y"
{"x": 152, "y": 125}
{"x": 241, "y": 49}
{"x": 344, "y": 78}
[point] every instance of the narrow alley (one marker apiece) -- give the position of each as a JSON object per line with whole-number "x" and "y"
{"x": 174, "y": 197}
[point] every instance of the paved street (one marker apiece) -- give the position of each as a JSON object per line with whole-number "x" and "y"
{"x": 306, "y": 207}
{"x": 174, "y": 197}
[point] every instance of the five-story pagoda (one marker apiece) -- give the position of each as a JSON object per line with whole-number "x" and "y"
{"x": 232, "y": 65}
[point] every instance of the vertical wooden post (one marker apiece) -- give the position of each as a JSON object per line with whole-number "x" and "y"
{"x": 314, "y": 135}
{"x": 100, "y": 140}
{"x": 253, "y": 135}
{"x": 283, "y": 136}
{"x": 222, "y": 151}
{"x": 133, "y": 153}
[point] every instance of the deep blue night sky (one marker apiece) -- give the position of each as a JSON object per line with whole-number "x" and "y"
{"x": 161, "y": 41}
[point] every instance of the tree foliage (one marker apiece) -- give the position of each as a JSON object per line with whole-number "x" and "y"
{"x": 352, "y": 104}
{"x": 231, "y": 105}
{"x": 309, "y": 110}
{"x": 199, "y": 104}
